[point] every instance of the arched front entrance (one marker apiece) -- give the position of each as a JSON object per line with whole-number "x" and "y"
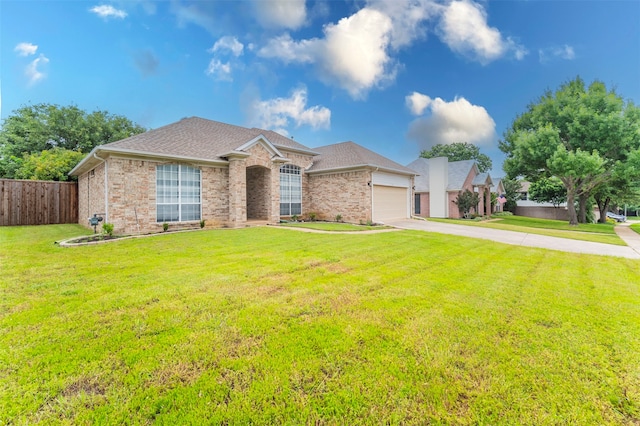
{"x": 258, "y": 193}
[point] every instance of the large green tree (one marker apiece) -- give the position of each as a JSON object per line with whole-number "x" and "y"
{"x": 578, "y": 134}
{"x": 548, "y": 190}
{"x": 459, "y": 151}
{"x": 32, "y": 129}
{"x": 52, "y": 164}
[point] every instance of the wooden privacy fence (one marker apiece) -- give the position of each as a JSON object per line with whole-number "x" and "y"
{"x": 37, "y": 202}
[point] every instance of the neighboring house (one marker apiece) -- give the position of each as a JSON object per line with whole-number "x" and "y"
{"x": 439, "y": 182}
{"x": 198, "y": 169}
{"x": 498, "y": 188}
{"x": 529, "y": 208}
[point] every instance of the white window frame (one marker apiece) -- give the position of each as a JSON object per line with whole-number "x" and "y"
{"x": 289, "y": 198}
{"x": 181, "y": 198}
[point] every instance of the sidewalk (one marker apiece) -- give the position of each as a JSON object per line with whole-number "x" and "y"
{"x": 632, "y": 251}
{"x": 628, "y": 235}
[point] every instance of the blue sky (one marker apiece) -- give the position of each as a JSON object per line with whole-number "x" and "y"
{"x": 394, "y": 76}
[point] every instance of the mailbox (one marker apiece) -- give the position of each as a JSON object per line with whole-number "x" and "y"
{"x": 95, "y": 220}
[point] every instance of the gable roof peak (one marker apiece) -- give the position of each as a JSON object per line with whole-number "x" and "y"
{"x": 350, "y": 155}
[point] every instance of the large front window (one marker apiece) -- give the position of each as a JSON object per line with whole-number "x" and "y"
{"x": 290, "y": 190}
{"x": 177, "y": 193}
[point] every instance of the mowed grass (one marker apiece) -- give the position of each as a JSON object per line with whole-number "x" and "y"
{"x": 334, "y": 226}
{"x": 635, "y": 227}
{"x": 273, "y": 326}
{"x": 594, "y": 232}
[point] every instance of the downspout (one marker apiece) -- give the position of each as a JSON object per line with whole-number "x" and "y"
{"x": 106, "y": 186}
{"x": 371, "y": 189}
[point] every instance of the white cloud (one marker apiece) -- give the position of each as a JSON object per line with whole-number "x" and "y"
{"x": 565, "y": 52}
{"x": 32, "y": 71}
{"x": 417, "y": 102}
{"x": 219, "y": 71}
{"x": 352, "y": 55}
{"x": 289, "y": 14}
{"x": 519, "y": 51}
{"x": 463, "y": 27}
{"x": 26, "y": 49}
{"x": 198, "y": 13}
{"x": 107, "y": 11}
{"x": 407, "y": 18}
{"x": 451, "y": 122}
{"x": 276, "y": 114}
{"x": 288, "y": 50}
{"x": 355, "y": 51}
{"x": 228, "y": 43}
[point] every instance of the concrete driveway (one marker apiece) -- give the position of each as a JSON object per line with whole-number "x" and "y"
{"x": 632, "y": 251}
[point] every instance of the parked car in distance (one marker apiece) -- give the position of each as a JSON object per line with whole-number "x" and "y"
{"x": 617, "y": 217}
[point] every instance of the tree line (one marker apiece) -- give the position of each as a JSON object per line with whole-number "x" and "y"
{"x": 46, "y": 141}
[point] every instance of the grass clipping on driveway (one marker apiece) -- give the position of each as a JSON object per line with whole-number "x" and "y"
{"x": 266, "y": 327}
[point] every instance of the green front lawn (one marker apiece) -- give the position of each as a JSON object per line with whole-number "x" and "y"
{"x": 334, "y": 226}
{"x": 635, "y": 227}
{"x": 266, "y": 326}
{"x": 595, "y": 232}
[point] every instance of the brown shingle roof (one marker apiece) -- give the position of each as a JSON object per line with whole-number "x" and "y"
{"x": 282, "y": 142}
{"x": 192, "y": 138}
{"x": 207, "y": 140}
{"x": 348, "y": 155}
{"x": 199, "y": 138}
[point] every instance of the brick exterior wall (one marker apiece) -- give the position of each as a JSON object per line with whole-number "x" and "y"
{"x": 262, "y": 194}
{"x": 304, "y": 162}
{"x": 215, "y": 195}
{"x": 263, "y": 182}
{"x": 541, "y": 212}
{"x": 237, "y": 192}
{"x": 247, "y": 187}
{"x": 259, "y": 186}
{"x": 91, "y": 194}
{"x": 454, "y": 212}
{"x": 347, "y": 194}
{"x": 132, "y": 195}
{"x": 424, "y": 205}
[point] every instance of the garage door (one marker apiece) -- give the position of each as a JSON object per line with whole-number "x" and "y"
{"x": 389, "y": 202}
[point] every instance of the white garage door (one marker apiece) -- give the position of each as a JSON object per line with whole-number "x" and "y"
{"x": 389, "y": 202}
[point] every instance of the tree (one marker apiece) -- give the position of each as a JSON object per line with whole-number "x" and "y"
{"x": 459, "y": 151}
{"x": 622, "y": 187}
{"x": 53, "y": 164}
{"x": 36, "y": 128}
{"x": 512, "y": 189}
{"x": 466, "y": 201}
{"x": 548, "y": 190}
{"x": 576, "y": 134}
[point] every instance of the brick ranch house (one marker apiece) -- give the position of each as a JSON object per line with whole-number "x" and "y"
{"x": 228, "y": 175}
{"x": 439, "y": 182}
